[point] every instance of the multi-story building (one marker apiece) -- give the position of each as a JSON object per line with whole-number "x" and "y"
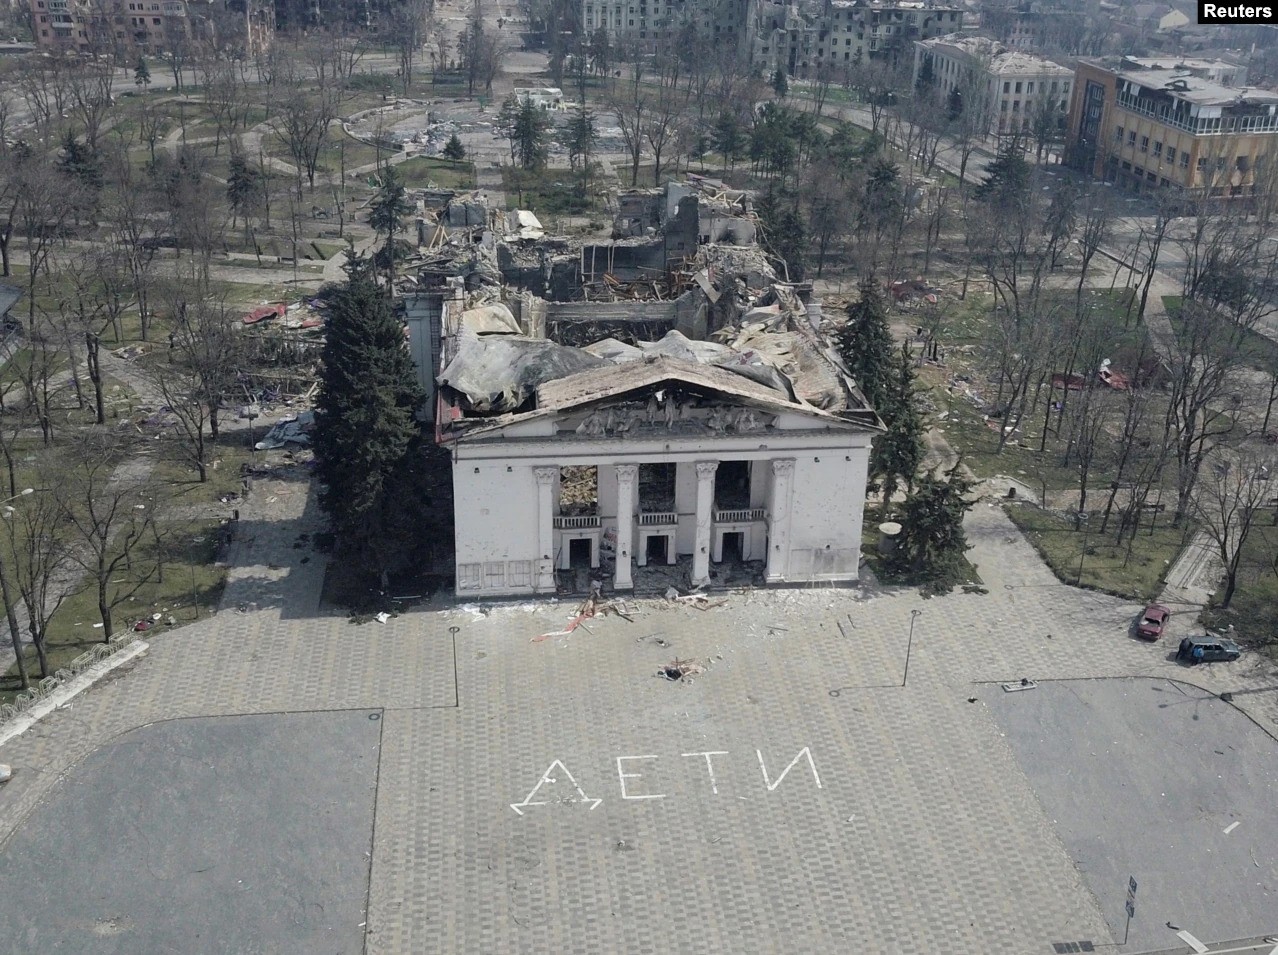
{"x": 1016, "y": 86}
{"x": 800, "y": 39}
{"x": 1146, "y": 122}
{"x": 652, "y": 22}
{"x": 117, "y": 27}
{"x": 838, "y": 34}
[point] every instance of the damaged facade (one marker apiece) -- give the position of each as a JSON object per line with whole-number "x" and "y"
{"x": 685, "y": 414}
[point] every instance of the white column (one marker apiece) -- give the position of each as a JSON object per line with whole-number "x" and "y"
{"x": 705, "y": 504}
{"x": 626, "y": 496}
{"x": 779, "y": 518}
{"x": 546, "y": 528}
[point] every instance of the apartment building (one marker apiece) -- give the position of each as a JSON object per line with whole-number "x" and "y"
{"x": 1016, "y": 85}
{"x": 1180, "y": 124}
{"x": 651, "y": 22}
{"x": 119, "y": 27}
{"x": 799, "y": 39}
{"x": 838, "y": 34}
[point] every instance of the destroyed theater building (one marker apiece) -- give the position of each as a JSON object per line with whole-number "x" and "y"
{"x": 641, "y": 412}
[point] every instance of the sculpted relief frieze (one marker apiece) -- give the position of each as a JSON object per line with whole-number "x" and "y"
{"x": 668, "y": 414}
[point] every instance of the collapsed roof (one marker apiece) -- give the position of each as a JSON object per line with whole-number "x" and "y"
{"x": 492, "y": 374}
{"x": 692, "y": 274}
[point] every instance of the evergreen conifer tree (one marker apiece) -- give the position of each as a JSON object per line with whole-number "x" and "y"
{"x": 1007, "y": 178}
{"x": 933, "y": 541}
{"x": 453, "y": 149}
{"x": 865, "y": 344}
{"x": 388, "y": 208}
{"x": 368, "y": 444}
{"x": 897, "y": 453}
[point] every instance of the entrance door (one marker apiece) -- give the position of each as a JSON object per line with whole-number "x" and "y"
{"x": 734, "y": 547}
{"x": 579, "y": 553}
{"x": 655, "y": 549}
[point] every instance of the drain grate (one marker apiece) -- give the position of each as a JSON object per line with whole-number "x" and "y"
{"x": 1062, "y": 948}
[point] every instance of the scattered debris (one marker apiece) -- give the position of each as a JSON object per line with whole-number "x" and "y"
{"x": 383, "y": 617}
{"x": 1232, "y": 826}
{"x": 593, "y": 606}
{"x": 1025, "y": 684}
{"x": 265, "y": 313}
{"x": 294, "y": 430}
{"x": 6, "y": 772}
{"x": 695, "y": 599}
{"x": 131, "y": 352}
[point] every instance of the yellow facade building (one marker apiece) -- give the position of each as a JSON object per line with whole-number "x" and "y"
{"x": 1168, "y": 123}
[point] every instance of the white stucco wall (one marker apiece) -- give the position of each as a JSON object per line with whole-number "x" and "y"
{"x": 826, "y": 513}
{"x": 496, "y": 507}
{"x": 496, "y": 516}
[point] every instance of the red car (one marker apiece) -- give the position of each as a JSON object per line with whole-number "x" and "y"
{"x": 1152, "y": 621}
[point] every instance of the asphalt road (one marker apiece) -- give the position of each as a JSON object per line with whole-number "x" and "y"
{"x": 240, "y": 835}
{"x": 1159, "y": 781}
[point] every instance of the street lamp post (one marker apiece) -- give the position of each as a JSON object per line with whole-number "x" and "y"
{"x": 1083, "y": 518}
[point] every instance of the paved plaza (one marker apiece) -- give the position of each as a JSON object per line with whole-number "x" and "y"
{"x": 844, "y": 776}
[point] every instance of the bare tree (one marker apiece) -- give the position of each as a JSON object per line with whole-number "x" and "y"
{"x": 971, "y": 114}
{"x": 38, "y": 552}
{"x": 129, "y": 206}
{"x": 11, "y": 180}
{"x": 309, "y": 102}
{"x": 1227, "y": 505}
{"x": 1228, "y": 267}
{"x": 224, "y": 96}
{"x": 1094, "y": 229}
{"x": 628, "y": 101}
{"x": 406, "y": 25}
{"x": 98, "y": 292}
{"x": 1045, "y": 125}
{"x": 8, "y": 106}
{"x": 15, "y": 629}
{"x": 1199, "y": 414}
{"x": 186, "y": 401}
{"x": 108, "y": 512}
{"x": 829, "y": 206}
{"x": 45, "y": 203}
{"x": 37, "y": 366}
{"x": 90, "y": 89}
{"x": 659, "y": 126}
{"x": 44, "y": 85}
{"x": 152, "y": 125}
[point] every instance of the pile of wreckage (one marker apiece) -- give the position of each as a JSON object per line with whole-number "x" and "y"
{"x": 681, "y": 283}
{"x": 662, "y": 239}
{"x": 293, "y": 430}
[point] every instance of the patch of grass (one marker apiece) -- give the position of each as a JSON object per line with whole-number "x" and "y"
{"x": 967, "y": 325}
{"x": 225, "y": 459}
{"x": 1259, "y": 351}
{"x": 190, "y": 587}
{"x": 423, "y": 172}
{"x": 547, "y": 192}
{"x": 1106, "y": 566}
{"x": 372, "y": 83}
{"x": 1253, "y": 612}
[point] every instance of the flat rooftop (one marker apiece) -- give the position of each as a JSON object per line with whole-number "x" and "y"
{"x": 1183, "y": 85}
